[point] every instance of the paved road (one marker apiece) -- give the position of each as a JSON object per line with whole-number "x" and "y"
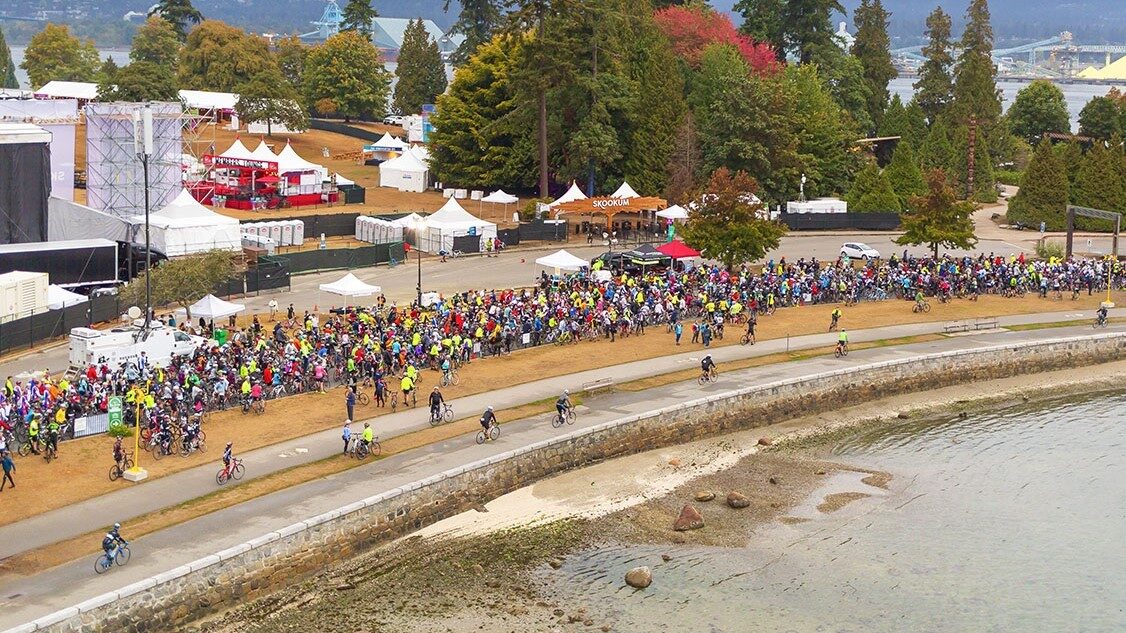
{"x": 22, "y": 599}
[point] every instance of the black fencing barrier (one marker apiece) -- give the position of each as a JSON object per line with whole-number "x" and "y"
{"x": 833, "y": 221}
{"x": 544, "y": 231}
{"x": 510, "y": 237}
{"x": 265, "y": 275}
{"x": 353, "y": 194}
{"x": 36, "y": 328}
{"x": 467, "y": 243}
{"x": 336, "y": 258}
{"x": 345, "y": 129}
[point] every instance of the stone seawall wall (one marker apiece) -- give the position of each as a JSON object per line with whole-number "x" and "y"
{"x": 260, "y": 566}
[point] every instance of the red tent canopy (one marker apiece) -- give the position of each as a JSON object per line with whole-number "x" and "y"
{"x": 677, "y": 249}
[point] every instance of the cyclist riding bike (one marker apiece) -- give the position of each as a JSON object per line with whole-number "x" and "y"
{"x": 488, "y": 419}
{"x": 406, "y": 385}
{"x": 836, "y": 314}
{"x": 707, "y": 366}
{"x": 1101, "y": 315}
{"x": 919, "y": 300}
{"x": 228, "y": 457}
{"x": 118, "y": 452}
{"x": 563, "y": 404}
{"x": 842, "y": 341}
{"x": 53, "y": 437}
{"x": 436, "y": 402}
{"x": 368, "y": 435}
{"x": 113, "y": 540}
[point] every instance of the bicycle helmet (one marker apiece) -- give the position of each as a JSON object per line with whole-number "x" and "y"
{"x": 708, "y": 356}
{"x": 489, "y": 408}
{"x": 435, "y": 388}
{"x": 117, "y": 526}
{"x": 230, "y": 444}
{"x": 566, "y": 392}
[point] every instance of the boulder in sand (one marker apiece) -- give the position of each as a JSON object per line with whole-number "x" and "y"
{"x": 689, "y": 519}
{"x": 736, "y": 500}
{"x": 639, "y": 577}
{"x": 705, "y": 495}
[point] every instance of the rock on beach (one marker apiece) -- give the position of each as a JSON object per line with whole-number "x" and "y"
{"x": 689, "y": 519}
{"x": 639, "y": 577}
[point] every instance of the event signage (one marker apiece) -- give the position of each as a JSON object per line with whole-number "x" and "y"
{"x": 270, "y": 167}
{"x": 608, "y": 203}
{"x": 114, "y": 410}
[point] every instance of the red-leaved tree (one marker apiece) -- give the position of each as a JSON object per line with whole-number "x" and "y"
{"x": 691, "y": 29}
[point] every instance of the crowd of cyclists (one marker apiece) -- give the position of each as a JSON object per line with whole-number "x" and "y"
{"x": 385, "y": 348}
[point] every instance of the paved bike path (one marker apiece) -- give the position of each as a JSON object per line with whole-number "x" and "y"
{"x": 22, "y": 599}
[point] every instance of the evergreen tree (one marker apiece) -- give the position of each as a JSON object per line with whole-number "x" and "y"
{"x": 909, "y": 123}
{"x": 345, "y": 75}
{"x": 1100, "y": 118}
{"x": 421, "y": 74}
{"x": 937, "y": 150}
{"x": 156, "y": 42}
{"x": 1038, "y": 108}
{"x": 477, "y": 21}
{"x": 872, "y": 48}
{"x": 107, "y": 79}
{"x": 808, "y": 26}
{"x": 824, "y": 133}
{"x": 1043, "y": 194}
{"x": 904, "y": 174}
{"x": 763, "y": 22}
{"x": 975, "y": 78}
{"x": 871, "y": 192}
{"x": 728, "y": 225}
{"x": 268, "y": 97}
{"x": 7, "y": 67}
{"x": 55, "y": 54}
{"x": 179, "y": 13}
{"x": 1070, "y": 156}
{"x": 685, "y": 161}
{"x": 1098, "y": 183}
{"x": 984, "y": 184}
{"x": 845, "y": 76}
{"x": 936, "y": 218}
{"x": 358, "y": 16}
{"x": 221, "y": 57}
{"x": 935, "y": 87}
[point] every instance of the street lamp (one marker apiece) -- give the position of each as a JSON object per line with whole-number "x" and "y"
{"x": 143, "y": 146}
{"x": 418, "y": 226}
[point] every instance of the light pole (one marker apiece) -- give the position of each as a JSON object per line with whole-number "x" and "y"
{"x": 417, "y": 241}
{"x": 143, "y": 145}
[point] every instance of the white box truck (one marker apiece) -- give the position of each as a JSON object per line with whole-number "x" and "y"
{"x": 123, "y": 344}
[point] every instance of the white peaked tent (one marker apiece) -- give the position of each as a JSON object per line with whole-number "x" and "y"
{"x": 452, "y": 220}
{"x": 572, "y": 194}
{"x": 237, "y": 150}
{"x": 675, "y": 212}
{"x": 59, "y": 298}
{"x": 421, "y": 153}
{"x": 405, "y": 172}
{"x": 388, "y": 142}
{"x": 262, "y": 152}
{"x": 350, "y": 286}
{"x": 625, "y": 191}
{"x": 562, "y": 260}
{"x": 289, "y": 161}
{"x": 185, "y": 226}
{"x": 212, "y": 307}
{"x": 500, "y": 197}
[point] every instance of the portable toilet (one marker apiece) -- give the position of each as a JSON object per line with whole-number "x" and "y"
{"x": 286, "y": 233}
{"x": 275, "y": 232}
{"x": 298, "y": 232}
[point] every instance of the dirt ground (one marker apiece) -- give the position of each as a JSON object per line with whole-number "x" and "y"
{"x": 81, "y": 471}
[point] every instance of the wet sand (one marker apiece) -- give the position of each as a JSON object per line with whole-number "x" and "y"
{"x": 487, "y": 570}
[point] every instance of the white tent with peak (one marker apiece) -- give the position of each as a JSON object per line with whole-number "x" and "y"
{"x": 388, "y": 142}
{"x": 675, "y": 212}
{"x": 451, "y": 221}
{"x": 562, "y": 260}
{"x": 405, "y": 172}
{"x": 184, "y": 226}
{"x": 238, "y": 150}
{"x": 572, "y": 194}
{"x": 500, "y": 197}
{"x": 350, "y": 286}
{"x": 625, "y": 191}
{"x": 212, "y": 307}
{"x": 289, "y": 161}
{"x": 263, "y": 152}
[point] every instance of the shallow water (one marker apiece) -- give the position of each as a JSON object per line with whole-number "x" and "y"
{"x": 1013, "y": 520}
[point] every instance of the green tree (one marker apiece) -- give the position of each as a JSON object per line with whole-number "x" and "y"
{"x": 220, "y": 57}
{"x": 477, "y": 22}
{"x": 55, "y": 54}
{"x": 729, "y": 225}
{"x": 809, "y": 26}
{"x": 107, "y": 76}
{"x": 763, "y": 22}
{"x": 1099, "y": 118}
{"x": 937, "y": 150}
{"x": 909, "y": 123}
{"x": 1043, "y": 194}
{"x": 290, "y": 54}
{"x": 1038, "y": 108}
{"x": 685, "y": 161}
{"x": 480, "y": 136}
{"x": 904, "y": 174}
{"x": 984, "y": 183}
{"x": 1070, "y": 156}
{"x": 845, "y": 76}
{"x": 345, "y": 75}
{"x": 935, "y": 88}
{"x": 7, "y": 68}
{"x": 270, "y": 98}
{"x": 184, "y": 280}
{"x": 872, "y": 48}
{"x": 156, "y": 42}
{"x": 421, "y": 74}
{"x": 358, "y": 16}
{"x": 975, "y": 77}
{"x": 825, "y": 134}
{"x": 871, "y": 192}
{"x": 179, "y": 13}
{"x": 937, "y": 219}
{"x": 140, "y": 81}
{"x": 1098, "y": 183}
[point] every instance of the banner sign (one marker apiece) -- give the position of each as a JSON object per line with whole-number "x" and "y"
{"x": 270, "y": 167}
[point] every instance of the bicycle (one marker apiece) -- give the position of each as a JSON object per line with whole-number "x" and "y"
{"x": 446, "y": 414}
{"x": 187, "y": 448}
{"x": 746, "y": 339}
{"x": 450, "y": 378}
{"x": 493, "y": 434}
{"x": 118, "y": 469}
{"x": 363, "y": 399}
{"x": 258, "y": 406}
{"x": 709, "y": 376}
{"x": 394, "y": 401}
{"x": 568, "y": 417}
{"x": 120, "y": 555}
{"x": 1099, "y": 323}
{"x": 234, "y": 471}
{"x": 51, "y": 451}
{"x": 841, "y": 350}
{"x": 360, "y": 450}
{"x": 921, "y": 306}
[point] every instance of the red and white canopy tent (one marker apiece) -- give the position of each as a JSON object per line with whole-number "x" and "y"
{"x": 244, "y": 179}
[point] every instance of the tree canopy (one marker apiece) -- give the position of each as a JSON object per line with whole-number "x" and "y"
{"x": 1043, "y": 193}
{"x": 156, "y": 42}
{"x": 358, "y": 16}
{"x": 476, "y": 22}
{"x": 872, "y": 48}
{"x": 220, "y": 57}
{"x": 345, "y": 75}
{"x": 420, "y": 71}
{"x": 179, "y": 13}
{"x": 290, "y": 53}
{"x": 824, "y": 133}
{"x": 935, "y": 87}
{"x": 937, "y": 218}
{"x": 904, "y": 175}
{"x": 1038, "y": 108}
{"x": 1100, "y": 118}
{"x": 692, "y": 28}
{"x": 7, "y": 67}
{"x": 871, "y": 192}
{"x": 140, "y": 81}
{"x": 268, "y": 97}
{"x": 184, "y": 280}
{"x": 729, "y": 224}
{"x": 53, "y": 54}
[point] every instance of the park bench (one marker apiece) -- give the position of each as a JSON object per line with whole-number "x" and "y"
{"x": 594, "y": 385}
{"x": 989, "y": 323}
{"x": 956, "y": 326}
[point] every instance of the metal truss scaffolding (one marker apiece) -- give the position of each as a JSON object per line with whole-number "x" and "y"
{"x": 114, "y": 175}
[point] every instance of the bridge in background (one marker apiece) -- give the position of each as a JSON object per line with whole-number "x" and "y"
{"x": 1057, "y": 56}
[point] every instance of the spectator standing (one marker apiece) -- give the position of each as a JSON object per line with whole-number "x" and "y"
{"x": 350, "y": 401}
{"x": 347, "y": 435}
{"x": 9, "y": 468}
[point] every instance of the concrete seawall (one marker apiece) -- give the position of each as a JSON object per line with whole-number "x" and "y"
{"x": 262, "y": 565}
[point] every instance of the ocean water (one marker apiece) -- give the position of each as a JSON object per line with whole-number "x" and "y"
{"x": 1011, "y": 520}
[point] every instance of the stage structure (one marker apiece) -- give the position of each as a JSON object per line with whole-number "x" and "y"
{"x": 114, "y": 174}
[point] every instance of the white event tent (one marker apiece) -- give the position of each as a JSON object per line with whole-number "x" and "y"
{"x": 675, "y": 212}
{"x": 625, "y": 191}
{"x": 262, "y": 152}
{"x": 59, "y": 298}
{"x": 562, "y": 260}
{"x": 212, "y": 307}
{"x": 405, "y": 172}
{"x": 185, "y": 226}
{"x": 572, "y": 194}
{"x": 238, "y": 150}
{"x": 500, "y": 197}
{"x": 350, "y": 286}
{"x": 289, "y": 161}
{"x": 452, "y": 220}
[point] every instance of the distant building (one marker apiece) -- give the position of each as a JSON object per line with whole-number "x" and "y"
{"x": 387, "y": 34}
{"x": 844, "y": 38}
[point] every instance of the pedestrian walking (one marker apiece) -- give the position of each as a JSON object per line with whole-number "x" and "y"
{"x": 696, "y": 332}
{"x": 679, "y": 330}
{"x": 347, "y": 435}
{"x": 9, "y": 468}
{"x": 350, "y": 400}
